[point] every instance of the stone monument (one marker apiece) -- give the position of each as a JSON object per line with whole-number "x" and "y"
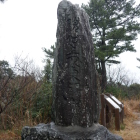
{"x": 76, "y": 102}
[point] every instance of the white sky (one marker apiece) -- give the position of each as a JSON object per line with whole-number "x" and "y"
{"x": 26, "y": 26}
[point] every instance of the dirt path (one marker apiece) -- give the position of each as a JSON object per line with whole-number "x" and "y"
{"x": 135, "y": 128}
{"x": 138, "y": 121}
{"x": 133, "y": 131}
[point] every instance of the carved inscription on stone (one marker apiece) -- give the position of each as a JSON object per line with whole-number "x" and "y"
{"x": 74, "y": 74}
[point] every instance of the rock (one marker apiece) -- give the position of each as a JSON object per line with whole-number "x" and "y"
{"x": 52, "y": 132}
{"x": 76, "y": 101}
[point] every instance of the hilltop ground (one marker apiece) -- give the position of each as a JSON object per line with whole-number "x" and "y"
{"x": 130, "y": 130}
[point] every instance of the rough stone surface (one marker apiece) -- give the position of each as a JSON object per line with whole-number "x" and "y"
{"x": 52, "y": 132}
{"x": 76, "y": 98}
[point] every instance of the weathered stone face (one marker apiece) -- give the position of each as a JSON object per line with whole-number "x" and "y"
{"x": 76, "y": 99}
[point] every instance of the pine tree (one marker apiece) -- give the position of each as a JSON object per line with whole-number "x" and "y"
{"x": 114, "y": 26}
{"x": 50, "y": 52}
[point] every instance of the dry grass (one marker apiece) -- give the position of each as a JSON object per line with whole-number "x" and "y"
{"x": 9, "y": 135}
{"x": 130, "y": 106}
{"x": 131, "y": 131}
{"x": 15, "y": 132}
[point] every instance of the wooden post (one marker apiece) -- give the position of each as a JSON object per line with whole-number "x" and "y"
{"x": 107, "y": 114}
{"x": 122, "y": 113}
{"x": 117, "y": 119}
{"x": 103, "y": 118}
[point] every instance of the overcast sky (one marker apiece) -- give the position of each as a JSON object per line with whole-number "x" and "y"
{"x": 26, "y": 26}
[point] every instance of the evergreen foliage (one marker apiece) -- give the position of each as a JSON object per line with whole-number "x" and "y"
{"x": 48, "y": 71}
{"x": 5, "y": 70}
{"x": 42, "y": 110}
{"x": 114, "y": 26}
{"x": 50, "y": 52}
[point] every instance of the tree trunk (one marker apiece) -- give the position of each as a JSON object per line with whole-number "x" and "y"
{"x": 103, "y": 73}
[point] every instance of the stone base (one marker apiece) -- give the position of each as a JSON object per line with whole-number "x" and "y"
{"x": 52, "y": 132}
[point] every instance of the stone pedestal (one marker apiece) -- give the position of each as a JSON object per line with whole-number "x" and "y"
{"x": 52, "y": 132}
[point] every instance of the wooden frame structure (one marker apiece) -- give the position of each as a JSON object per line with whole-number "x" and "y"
{"x": 110, "y": 104}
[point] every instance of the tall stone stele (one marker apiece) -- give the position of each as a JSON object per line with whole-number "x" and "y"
{"x": 76, "y": 101}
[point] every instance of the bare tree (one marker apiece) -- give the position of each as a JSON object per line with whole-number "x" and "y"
{"x": 22, "y": 83}
{"x": 119, "y": 75}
